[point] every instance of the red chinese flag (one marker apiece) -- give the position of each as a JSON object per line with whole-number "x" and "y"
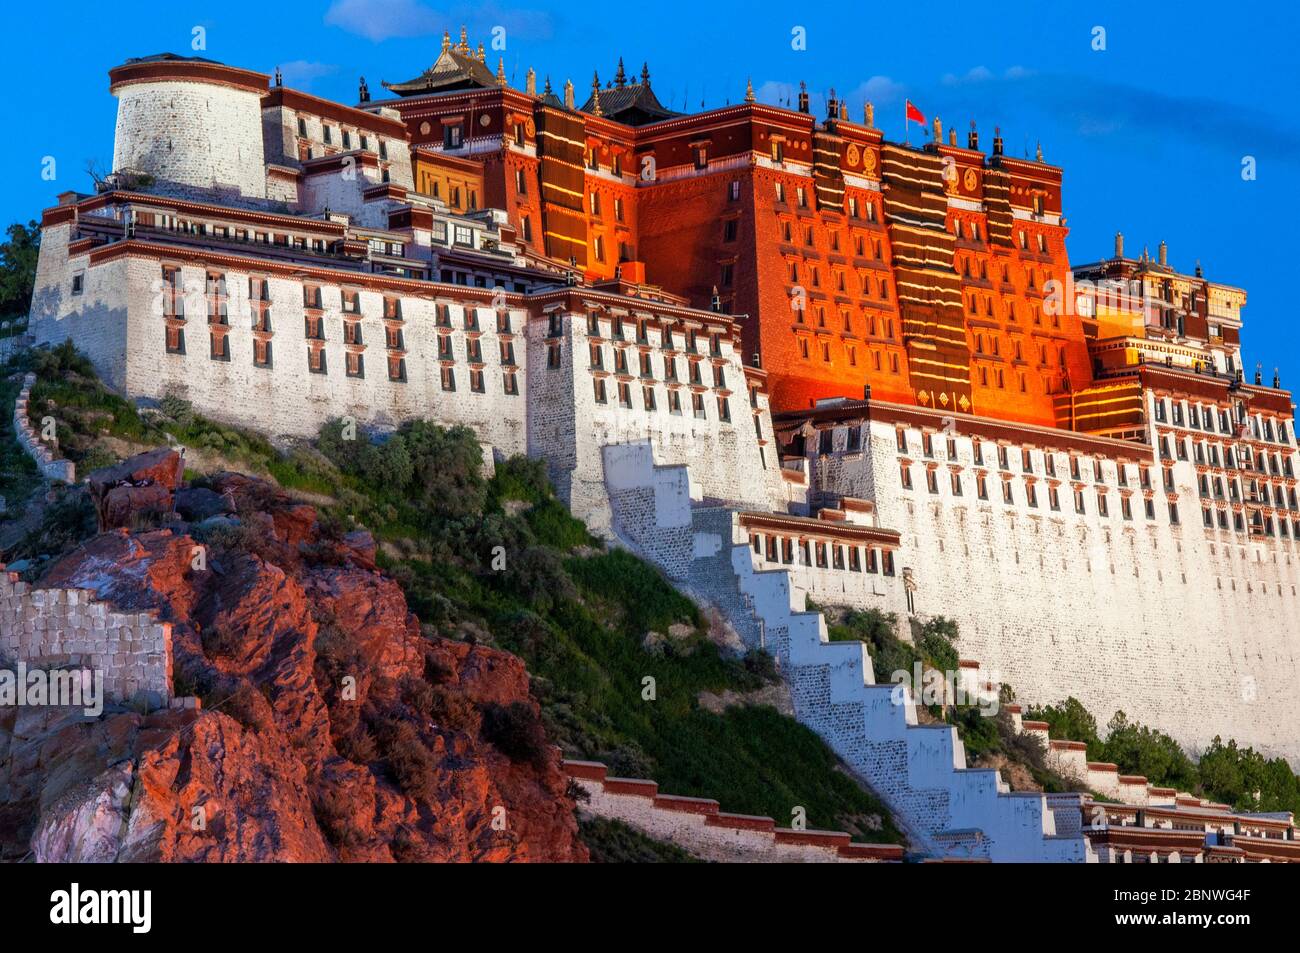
{"x": 914, "y": 114}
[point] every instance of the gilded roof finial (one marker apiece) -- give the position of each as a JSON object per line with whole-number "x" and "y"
{"x": 749, "y": 90}
{"x": 595, "y": 93}
{"x": 568, "y": 94}
{"x": 464, "y": 41}
{"x": 446, "y": 40}
{"x": 482, "y": 57}
{"x": 501, "y": 71}
{"x": 1038, "y": 156}
{"x": 645, "y": 74}
{"x": 546, "y": 90}
{"x": 620, "y": 78}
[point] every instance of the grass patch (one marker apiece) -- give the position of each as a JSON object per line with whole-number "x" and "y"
{"x": 500, "y": 561}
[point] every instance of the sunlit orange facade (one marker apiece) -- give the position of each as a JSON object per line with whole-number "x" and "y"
{"x": 922, "y": 273}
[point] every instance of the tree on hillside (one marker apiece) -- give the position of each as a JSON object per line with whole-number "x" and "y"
{"x": 1138, "y": 749}
{"x": 1247, "y": 780}
{"x": 1072, "y": 722}
{"x": 18, "y": 268}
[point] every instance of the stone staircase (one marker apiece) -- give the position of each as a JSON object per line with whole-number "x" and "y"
{"x": 951, "y": 811}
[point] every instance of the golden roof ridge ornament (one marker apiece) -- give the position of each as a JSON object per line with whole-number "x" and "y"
{"x": 749, "y": 90}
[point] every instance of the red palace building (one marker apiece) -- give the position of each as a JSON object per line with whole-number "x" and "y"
{"x": 855, "y": 262}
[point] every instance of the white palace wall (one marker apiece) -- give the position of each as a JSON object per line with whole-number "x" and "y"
{"x": 569, "y": 426}
{"x": 1192, "y": 631}
{"x": 117, "y": 322}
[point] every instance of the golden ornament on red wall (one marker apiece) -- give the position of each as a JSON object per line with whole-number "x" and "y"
{"x": 869, "y": 161}
{"x": 530, "y": 127}
{"x": 852, "y": 156}
{"x": 971, "y": 180}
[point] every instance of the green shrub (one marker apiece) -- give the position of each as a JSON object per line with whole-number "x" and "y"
{"x": 516, "y": 732}
{"x": 65, "y": 523}
{"x": 935, "y": 642}
{"x": 1070, "y": 721}
{"x": 636, "y": 587}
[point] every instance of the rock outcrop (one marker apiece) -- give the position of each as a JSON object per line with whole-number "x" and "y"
{"x": 331, "y": 728}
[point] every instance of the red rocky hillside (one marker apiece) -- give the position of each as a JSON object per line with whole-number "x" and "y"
{"x": 330, "y": 728}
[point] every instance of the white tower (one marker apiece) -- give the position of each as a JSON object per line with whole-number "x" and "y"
{"x": 193, "y": 126}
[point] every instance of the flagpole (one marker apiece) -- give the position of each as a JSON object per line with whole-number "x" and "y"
{"x": 907, "y": 125}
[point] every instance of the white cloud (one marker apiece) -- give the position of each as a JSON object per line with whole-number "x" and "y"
{"x": 381, "y": 19}
{"x": 880, "y": 90}
{"x": 300, "y": 73}
{"x": 976, "y": 74}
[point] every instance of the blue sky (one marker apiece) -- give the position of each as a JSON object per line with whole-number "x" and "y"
{"x": 1152, "y": 130}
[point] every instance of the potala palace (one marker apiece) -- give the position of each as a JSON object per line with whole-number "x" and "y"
{"x": 773, "y": 353}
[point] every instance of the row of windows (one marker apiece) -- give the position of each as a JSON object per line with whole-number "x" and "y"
{"x": 1245, "y": 458}
{"x": 1256, "y": 491}
{"x": 1076, "y": 466}
{"x": 976, "y": 303}
{"x": 1260, "y": 523}
{"x": 1032, "y": 497}
{"x": 650, "y": 402}
{"x": 645, "y": 368}
{"x": 876, "y": 325}
{"x": 355, "y": 362}
{"x": 857, "y": 209}
{"x": 823, "y": 555}
{"x": 1219, "y": 420}
{"x": 638, "y": 330}
{"x": 346, "y": 136}
{"x": 863, "y": 247}
{"x": 866, "y": 286}
{"x": 850, "y": 354}
{"x": 172, "y": 223}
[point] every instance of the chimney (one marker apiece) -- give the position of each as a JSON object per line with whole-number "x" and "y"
{"x": 1163, "y": 252}
{"x": 1119, "y": 244}
{"x": 803, "y": 96}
